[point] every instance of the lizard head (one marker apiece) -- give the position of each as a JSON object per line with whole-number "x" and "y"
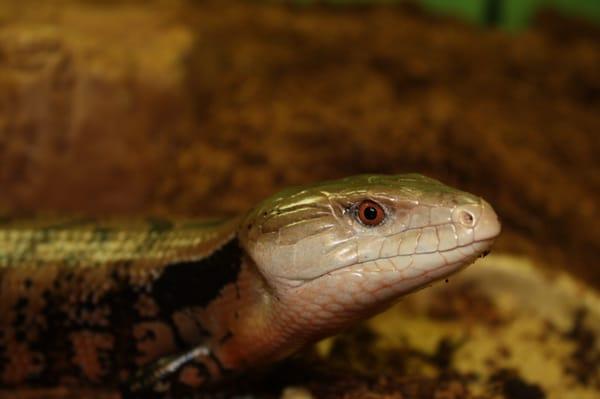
{"x": 361, "y": 242}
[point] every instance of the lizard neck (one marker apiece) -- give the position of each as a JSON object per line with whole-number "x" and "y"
{"x": 252, "y": 312}
{"x": 268, "y": 324}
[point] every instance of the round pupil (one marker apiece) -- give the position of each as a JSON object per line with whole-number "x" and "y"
{"x": 370, "y": 213}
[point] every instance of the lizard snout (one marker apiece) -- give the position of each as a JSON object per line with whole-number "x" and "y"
{"x": 480, "y": 217}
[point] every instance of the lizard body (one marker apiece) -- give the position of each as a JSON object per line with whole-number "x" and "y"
{"x": 171, "y": 307}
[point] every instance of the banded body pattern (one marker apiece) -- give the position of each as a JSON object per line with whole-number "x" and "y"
{"x": 92, "y": 301}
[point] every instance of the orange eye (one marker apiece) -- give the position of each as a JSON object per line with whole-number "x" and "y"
{"x": 370, "y": 213}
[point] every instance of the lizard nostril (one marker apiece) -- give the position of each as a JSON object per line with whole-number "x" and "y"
{"x": 466, "y": 218}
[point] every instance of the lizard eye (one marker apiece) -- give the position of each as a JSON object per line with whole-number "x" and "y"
{"x": 370, "y": 213}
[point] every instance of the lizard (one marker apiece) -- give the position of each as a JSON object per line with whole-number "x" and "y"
{"x": 166, "y": 308}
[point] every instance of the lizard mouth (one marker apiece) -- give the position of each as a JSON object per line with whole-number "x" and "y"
{"x": 427, "y": 263}
{"x": 426, "y": 266}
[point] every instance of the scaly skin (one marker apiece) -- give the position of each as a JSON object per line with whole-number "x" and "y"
{"x": 170, "y": 307}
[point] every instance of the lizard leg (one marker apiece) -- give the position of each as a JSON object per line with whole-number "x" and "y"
{"x": 178, "y": 375}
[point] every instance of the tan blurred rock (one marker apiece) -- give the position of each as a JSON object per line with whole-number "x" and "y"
{"x": 296, "y": 393}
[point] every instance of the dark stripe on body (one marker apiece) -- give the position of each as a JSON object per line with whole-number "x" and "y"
{"x": 53, "y": 343}
{"x": 197, "y": 283}
{"x": 122, "y": 317}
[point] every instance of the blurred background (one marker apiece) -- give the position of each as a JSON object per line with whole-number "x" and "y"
{"x": 202, "y": 108}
